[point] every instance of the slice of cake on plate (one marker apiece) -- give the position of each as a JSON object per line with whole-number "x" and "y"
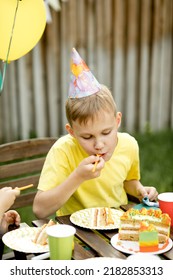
{"x": 101, "y": 217}
{"x": 131, "y": 220}
{"x": 148, "y": 237}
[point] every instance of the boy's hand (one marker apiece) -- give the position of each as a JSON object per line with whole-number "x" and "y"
{"x": 135, "y": 188}
{"x": 85, "y": 169}
{"x": 149, "y": 192}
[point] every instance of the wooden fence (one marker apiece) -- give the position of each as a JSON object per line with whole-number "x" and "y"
{"x": 128, "y": 45}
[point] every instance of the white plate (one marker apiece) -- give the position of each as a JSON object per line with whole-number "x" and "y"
{"x": 100, "y": 258}
{"x": 83, "y": 217}
{"x": 21, "y": 240}
{"x": 132, "y": 247}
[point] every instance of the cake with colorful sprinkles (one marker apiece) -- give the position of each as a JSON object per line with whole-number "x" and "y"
{"x": 130, "y": 223}
{"x": 148, "y": 237}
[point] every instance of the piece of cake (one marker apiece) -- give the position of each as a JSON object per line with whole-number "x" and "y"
{"x": 131, "y": 219}
{"x": 41, "y": 236}
{"x": 101, "y": 217}
{"x": 148, "y": 237}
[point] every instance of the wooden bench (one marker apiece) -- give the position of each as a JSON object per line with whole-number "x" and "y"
{"x": 21, "y": 163}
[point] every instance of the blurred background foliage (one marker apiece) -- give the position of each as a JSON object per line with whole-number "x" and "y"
{"x": 156, "y": 157}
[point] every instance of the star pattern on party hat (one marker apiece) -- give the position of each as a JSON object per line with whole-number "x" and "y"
{"x": 82, "y": 83}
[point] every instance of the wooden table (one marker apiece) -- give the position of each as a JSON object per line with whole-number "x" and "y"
{"x": 96, "y": 243}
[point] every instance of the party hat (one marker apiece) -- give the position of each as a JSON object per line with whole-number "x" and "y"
{"x": 83, "y": 83}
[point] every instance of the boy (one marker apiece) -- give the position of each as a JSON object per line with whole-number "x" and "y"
{"x": 94, "y": 165}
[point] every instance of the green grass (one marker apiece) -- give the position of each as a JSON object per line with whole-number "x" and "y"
{"x": 156, "y": 159}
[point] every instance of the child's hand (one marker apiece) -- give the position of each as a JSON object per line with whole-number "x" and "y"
{"x": 86, "y": 170}
{"x": 11, "y": 217}
{"x": 135, "y": 188}
{"x": 149, "y": 192}
{"x": 7, "y": 197}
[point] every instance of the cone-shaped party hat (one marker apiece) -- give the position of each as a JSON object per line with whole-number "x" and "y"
{"x": 83, "y": 83}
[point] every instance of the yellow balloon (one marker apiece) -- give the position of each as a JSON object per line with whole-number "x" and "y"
{"x": 29, "y": 26}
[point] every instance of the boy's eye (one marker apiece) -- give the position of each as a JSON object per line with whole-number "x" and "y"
{"x": 87, "y": 137}
{"x": 106, "y": 132}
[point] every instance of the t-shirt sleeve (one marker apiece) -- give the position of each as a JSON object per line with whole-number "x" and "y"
{"x": 55, "y": 169}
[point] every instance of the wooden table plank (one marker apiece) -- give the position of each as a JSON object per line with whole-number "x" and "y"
{"x": 80, "y": 253}
{"x": 109, "y": 233}
{"x": 127, "y": 206}
{"x": 40, "y": 223}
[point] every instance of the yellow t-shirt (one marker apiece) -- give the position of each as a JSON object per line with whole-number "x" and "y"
{"x": 106, "y": 190}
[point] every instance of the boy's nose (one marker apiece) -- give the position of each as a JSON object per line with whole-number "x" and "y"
{"x": 99, "y": 145}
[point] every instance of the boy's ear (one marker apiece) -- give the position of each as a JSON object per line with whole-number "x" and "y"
{"x": 118, "y": 119}
{"x": 69, "y": 129}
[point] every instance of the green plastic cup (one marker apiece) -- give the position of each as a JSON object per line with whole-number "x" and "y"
{"x": 61, "y": 239}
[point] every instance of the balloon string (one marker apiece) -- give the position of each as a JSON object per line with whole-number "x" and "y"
{"x": 2, "y": 77}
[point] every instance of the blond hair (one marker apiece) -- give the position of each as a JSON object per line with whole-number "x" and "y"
{"x": 86, "y": 108}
